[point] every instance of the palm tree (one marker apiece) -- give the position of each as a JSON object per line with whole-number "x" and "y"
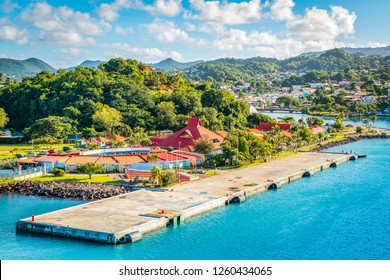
{"x": 90, "y": 168}
{"x": 153, "y": 158}
{"x": 156, "y": 173}
{"x": 373, "y": 118}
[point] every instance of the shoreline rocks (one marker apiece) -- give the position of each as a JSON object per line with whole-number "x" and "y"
{"x": 68, "y": 190}
{"x": 348, "y": 140}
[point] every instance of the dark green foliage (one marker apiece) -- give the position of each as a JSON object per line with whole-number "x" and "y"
{"x": 204, "y": 146}
{"x": 144, "y": 99}
{"x": 58, "y": 172}
{"x": 168, "y": 178}
{"x": 53, "y": 127}
{"x": 255, "y": 119}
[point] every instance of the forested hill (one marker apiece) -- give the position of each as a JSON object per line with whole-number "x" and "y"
{"x": 122, "y": 95}
{"x": 232, "y": 70}
{"x": 171, "y": 64}
{"x": 18, "y": 69}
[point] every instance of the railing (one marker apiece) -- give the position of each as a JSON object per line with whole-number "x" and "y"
{"x": 29, "y": 173}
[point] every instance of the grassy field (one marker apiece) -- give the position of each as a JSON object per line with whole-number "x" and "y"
{"x": 7, "y": 154}
{"x": 77, "y": 178}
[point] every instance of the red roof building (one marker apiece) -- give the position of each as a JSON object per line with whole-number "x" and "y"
{"x": 185, "y": 137}
{"x": 317, "y": 129}
{"x": 266, "y": 126}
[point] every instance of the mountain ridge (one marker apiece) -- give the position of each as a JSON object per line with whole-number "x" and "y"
{"x": 22, "y": 68}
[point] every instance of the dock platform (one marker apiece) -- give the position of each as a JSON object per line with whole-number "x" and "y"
{"x": 127, "y": 217}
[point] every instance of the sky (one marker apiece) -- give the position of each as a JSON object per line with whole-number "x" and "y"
{"x": 65, "y": 33}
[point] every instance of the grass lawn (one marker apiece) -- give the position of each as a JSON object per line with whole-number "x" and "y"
{"x": 79, "y": 179}
{"x": 5, "y": 150}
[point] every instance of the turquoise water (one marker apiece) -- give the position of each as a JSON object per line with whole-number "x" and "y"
{"x": 340, "y": 213}
{"x": 382, "y": 122}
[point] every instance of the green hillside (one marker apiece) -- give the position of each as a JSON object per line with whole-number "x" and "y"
{"x": 171, "y": 64}
{"x": 18, "y": 69}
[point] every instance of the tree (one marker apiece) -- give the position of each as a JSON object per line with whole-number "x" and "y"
{"x": 54, "y": 127}
{"x": 288, "y": 102}
{"x": 89, "y": 168}
{"x": 116, "y": 144}
{"x": 106, "y": 118}
{"x": 157, "y": 174}
{"x": 3, "y": 118}
{"x": 153, "y": 158}
{"x": 93, "y": 146}
{"x": 204, "y": 146}
{"x": 166, "y": 116}
{"x": 288, "y": 119}
{"x": 168, "y": 178}
{"x": 359, "y": 130}
{"x": 373, "y": 118}
{"x": 312, "y": 121}
{"x": 58, "y": 172}
{"x": 255, "y": 119}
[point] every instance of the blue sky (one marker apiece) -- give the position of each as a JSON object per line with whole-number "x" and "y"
{"x": 65, "y": 33}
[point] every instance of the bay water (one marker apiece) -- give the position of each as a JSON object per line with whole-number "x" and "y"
{"x": 340, "y": 213}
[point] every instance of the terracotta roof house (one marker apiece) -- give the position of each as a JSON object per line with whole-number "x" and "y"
{"x": 185, "y": 137}
{"x": 103, "y": 140}
{"x": 266, "y": 126}
{"x": 256, "y": 132}
{"x": 317, "y": 129}
{"x": 115, "y": 136}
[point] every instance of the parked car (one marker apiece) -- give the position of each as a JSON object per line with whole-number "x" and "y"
{"x": 19, "y": 155}
{"x": 31, "y": 154}
{"x": 66, "y": 148}
{"x": 42, "y": 153}
{"x": 52, "y": 151}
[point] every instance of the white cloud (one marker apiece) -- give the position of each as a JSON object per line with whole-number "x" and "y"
{"x": 235, "y": 39}
{"x": 63, "y": 25}
{"x": 226, "y": 13}
{"x": 143, "y": 54}
{"x": 164, "y": 7}
{"x": 189, "y": 26}
{"x": 65, "y": 38}
{"x": 372, "y": 44}
{"x": 8, "y": 6}
{"x": 166, "y": 31}
{"x": 318, "y": 24}
{"x": 282, "y": 9}
{"x": 49, "y": 18}
{"x": 111, "y": 11}
{"x": 123, "y": 31}
{"x": 75, "y": 52}
{"x": 240, "y": 43}
{"x": 11, "y": 33}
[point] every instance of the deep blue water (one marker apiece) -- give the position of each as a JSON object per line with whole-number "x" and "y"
{"x": 340, "y": 213}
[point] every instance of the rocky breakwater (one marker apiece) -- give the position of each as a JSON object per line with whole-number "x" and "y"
{"x": 348, "y": 140}
{"x": 83, "y": 191}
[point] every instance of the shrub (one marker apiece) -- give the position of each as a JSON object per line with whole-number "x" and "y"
{"x": 58, "y": 172}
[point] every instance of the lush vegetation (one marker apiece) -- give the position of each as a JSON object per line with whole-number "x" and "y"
{"x": 121, "y": 96}
{"x": 334, "y": 64}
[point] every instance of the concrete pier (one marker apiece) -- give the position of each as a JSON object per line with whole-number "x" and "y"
{"x": 126, "y": 218}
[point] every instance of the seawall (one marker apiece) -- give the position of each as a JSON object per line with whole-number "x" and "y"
{"x": 127, "y": 217}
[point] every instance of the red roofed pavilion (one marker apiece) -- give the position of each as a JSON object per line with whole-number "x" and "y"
{"x": 186, "y": 136}
{"x": 266, "y": 126}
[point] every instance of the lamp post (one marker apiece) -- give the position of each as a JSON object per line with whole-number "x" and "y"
{"x": 237, "y": 151}
{"x": 179, "y": 161}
